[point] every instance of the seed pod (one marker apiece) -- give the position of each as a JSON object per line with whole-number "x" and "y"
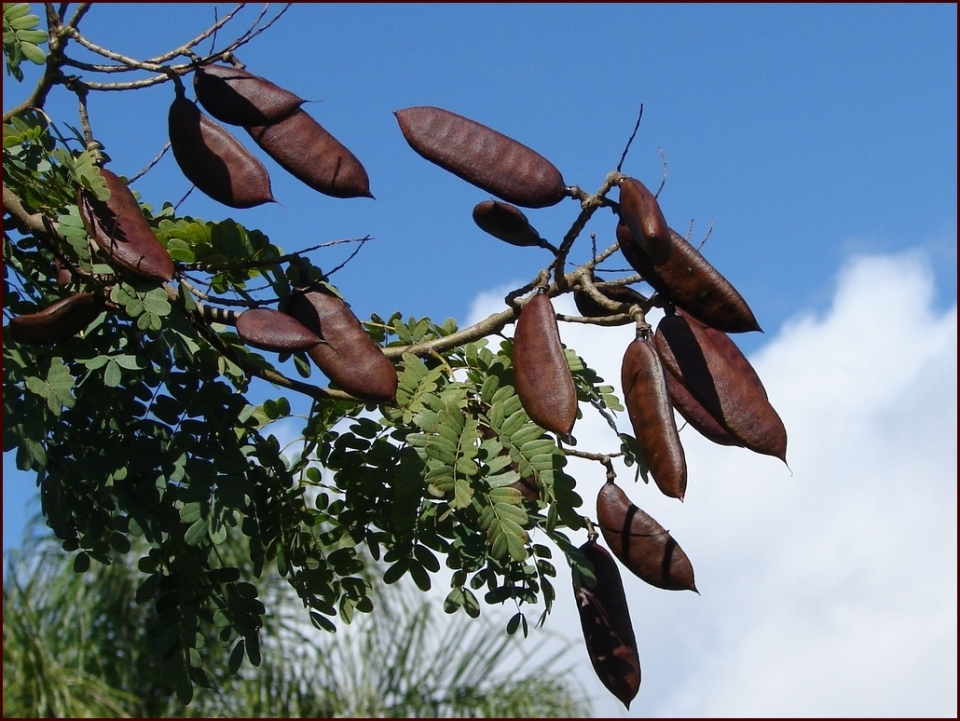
{"x": 589, "y": 308}
{"x": 687, "y": 279}
{"x": 508, "y": 223}
{"x": 541, "y": 374}
{"x": 640, "y": 212}
{"x": 346, "y": 354}
{"x": 695, "y": 414}
{"x": 119, "y": 227}
{"x": 237, "y": 97}
{"x": 729, "y": 394}
{"x": 607, "y": 630}
{"x": 651, "y": 414}
{"x": 641, "y": 544}
{"x": 65, "y": 273}
{"x": 56, "y": 322}
{"x": 214, "y": 160}
{"x": 482, "y": 156}
{"x": 272, "y": 330}
{"x": 309, "y": 153}
{"x": 527, "y": 486}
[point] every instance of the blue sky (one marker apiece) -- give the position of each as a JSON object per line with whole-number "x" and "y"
{"x": 819, "y": 139}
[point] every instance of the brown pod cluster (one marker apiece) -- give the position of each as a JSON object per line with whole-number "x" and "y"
{"x": 236, "y": 97}
{"x": 508, "y": 223}
{"x": 119, "y": 228}
{"x": 541, "y": 373}
{"x": 734, "y": 397}
{"x": 641, "y": 544}
{"x": 346, "y": 354}
{"x": 214, "y": 160}
{"x": 589, "y": 308}
{"x": 651, "y": 415}
{"x": 607, "y": 629}
{"x": 482, "y": 156}
{"x": 272, "y": 330}
{"x": 56, "y": 322}
{"x": 687, "y": 279}
{"x": 307, "y": 151}
{"x": 640, "y": 212}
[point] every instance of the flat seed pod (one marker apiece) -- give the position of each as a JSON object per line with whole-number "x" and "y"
{"x": 687, "y": 279}
{"x": 214, "y": 160}
{"x": 482, "y": 156}
{"x": 236, "y": 97}
{"x": 641, "y": 544}
{"x": 640, "y": 212}
{"x": 346, "y": 354}
{"x": 309, "y": 153}
{"x": 56, "y": 322}
{"x": 607, "y": 629}
{"x": 507, "y": 223}
{"x": 119, "y": 228}
{"x": 730, "y": 395}
{"x": 541, "y": 373}
{"x": 589, "y": 308}
{"x": 696, "y": 415}
{"x": 272, "y": 330}
{"x": 651, "y": 415}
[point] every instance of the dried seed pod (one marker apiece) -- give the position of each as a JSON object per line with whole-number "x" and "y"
{"x": 696, "y": 415}
{"x": 508, "y": 223}
{"x": 64, "y": 273}
{"x": 687, "y": 279}
{"x": 607, "y": 629}
{"x": 527, "y": 486}
{"x": 541, "y": 373}
{"x": 730, "y": 395}
{"x": 589, "y": 308}
{"x": 56, "y": 322}
{"x": 272, "y": 330}
{"x": 640, "y": 212}
{"x": 482, "y": 156}
{"x": 641, "y": 544}
{"x": 346, "y": 354}
{"x": 651, "y": 415}
{"x": 309, "y": 153}
{"x": 237, "y": 97}
{"x": 119, "y": 227}
{"x": 214, "y": 160}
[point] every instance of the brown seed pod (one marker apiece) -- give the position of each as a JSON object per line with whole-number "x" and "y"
{"x": 589, "y": 308}
{"x": 56, "y": 322}
{"x": 651, "y": 415}
{"x": 65, "y": 273}
{"x": 237, "y": 97}
{"x": 309, "y": 153}
{"x": 640, "y": 212}
{"x": 508, "y": 223}
{"x": 482, "y": 156}
{"x": 687, "y": 279}
{"x": 527, "y": 486}
{"x": 729, "y": 394}
{"x": 119, "y": 227}
{"x": 641, "y": 544}
{"x": 214, "y": 160}
{"x": 272, "y": 330}
{"x": 346, "y": 354}
{"x": 541, "y": 373}
{"x": 695, "y": 414}
{"x": 607, "y": 629}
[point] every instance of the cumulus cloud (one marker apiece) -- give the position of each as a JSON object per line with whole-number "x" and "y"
{"x": 829, "y": 587}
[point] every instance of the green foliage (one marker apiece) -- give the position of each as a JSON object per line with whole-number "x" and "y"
{"x": 21, "y": 38}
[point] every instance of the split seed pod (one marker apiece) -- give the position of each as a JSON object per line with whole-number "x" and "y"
{"x": 641, "y": 544}
{"x": 541, "y": 373}
{"x": 687, "y": 279}
{"x": 272, "y": 330}
{"x": 589, "y": 308}
{"x": 312, "y": 155}
{"x": 482, "y": 156}
{"x": 119, "y": 227}
{"x": 508, "y": 223}
{"x": 607, "y": 630}
{"x": 346, "y": 354}
{"x": 641, "y": 213}
{"x": 214, "y": 160}
{"x": 237, "y": 97}
{"x": 56, "y": 322}
{"x": 651, "y": 414}
{"x": 732, "y": 396}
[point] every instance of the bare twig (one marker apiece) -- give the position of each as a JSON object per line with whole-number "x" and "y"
{"x": 630, "y": 140}
{"x": 663, "y": 178}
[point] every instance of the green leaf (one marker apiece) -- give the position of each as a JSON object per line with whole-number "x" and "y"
{"x": 112, "y": 375}
{"x": 32, "y": 53}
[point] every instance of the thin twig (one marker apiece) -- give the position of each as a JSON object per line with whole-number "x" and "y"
{"x": 630, "y": 141}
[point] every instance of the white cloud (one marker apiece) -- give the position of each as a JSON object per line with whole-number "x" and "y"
{"x": 829, "y": 588}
